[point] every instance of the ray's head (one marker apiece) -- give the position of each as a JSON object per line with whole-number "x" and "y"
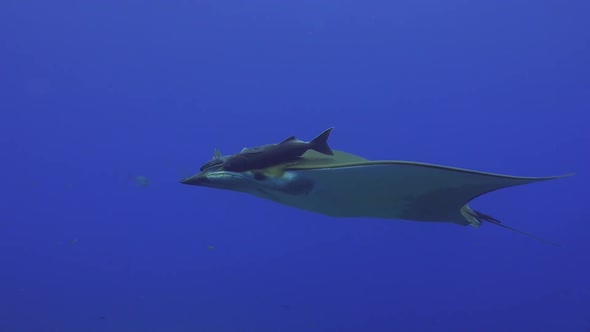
{"x": 261, "y": 183}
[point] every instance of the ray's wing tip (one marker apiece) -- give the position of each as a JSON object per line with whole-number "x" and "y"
{"x": 554, "y": 177}
{"x": 566, "y": 175}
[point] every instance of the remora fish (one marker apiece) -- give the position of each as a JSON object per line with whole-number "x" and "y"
{"x": 346, "y": 185}
{"x": 217, "y": 160}
{"x": 272, "y": 154}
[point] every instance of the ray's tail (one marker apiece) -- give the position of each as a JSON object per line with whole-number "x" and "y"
{"x": 476, "y": 218}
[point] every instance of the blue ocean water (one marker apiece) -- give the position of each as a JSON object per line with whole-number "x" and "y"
{"x": 106, "y": 105}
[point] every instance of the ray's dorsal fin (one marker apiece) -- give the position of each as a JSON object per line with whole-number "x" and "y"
{"x": 481, "y": 217}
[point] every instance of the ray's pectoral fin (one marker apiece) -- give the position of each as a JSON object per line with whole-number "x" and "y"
{"x": 476, "y": 218}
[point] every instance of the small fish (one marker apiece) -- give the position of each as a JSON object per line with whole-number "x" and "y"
{"x": 217, "y": 160}
{"x": 273, "y": 154}
{"x": 140, "y": 180}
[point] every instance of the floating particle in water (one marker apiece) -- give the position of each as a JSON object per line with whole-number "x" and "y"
{"x": 210, "y": 247}
{"x": 141, "y": 180}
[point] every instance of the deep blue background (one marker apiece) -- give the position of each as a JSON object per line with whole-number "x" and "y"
{"x": 94, "y": 94}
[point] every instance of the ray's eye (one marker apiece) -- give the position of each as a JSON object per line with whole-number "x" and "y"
{"x": 259, "y": 176}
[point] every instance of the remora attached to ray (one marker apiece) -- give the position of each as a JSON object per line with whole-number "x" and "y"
{"x": 272, "y": 154}
{"x": 346, "y": 185}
